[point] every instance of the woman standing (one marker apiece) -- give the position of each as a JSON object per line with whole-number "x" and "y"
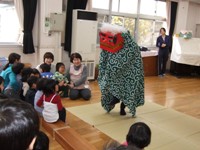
{"x": 163, "y": 42}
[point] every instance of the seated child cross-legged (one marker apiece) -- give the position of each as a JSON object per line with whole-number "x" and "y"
{"x": 59, "y": 76}
{"x": 53, "y": 108}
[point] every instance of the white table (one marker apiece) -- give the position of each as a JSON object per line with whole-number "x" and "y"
{"x": 186, "y": 51}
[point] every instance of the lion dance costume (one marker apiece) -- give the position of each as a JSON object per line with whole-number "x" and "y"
{"x": 121, "y": 76}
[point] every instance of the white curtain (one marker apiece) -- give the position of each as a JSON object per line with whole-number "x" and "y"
{"x": 168, "y": 9}
{"x": 20, "y": 14}
{"x": 89, "y": 5}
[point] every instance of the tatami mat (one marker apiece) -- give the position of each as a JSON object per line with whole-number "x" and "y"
{"x": 170, "y": 129}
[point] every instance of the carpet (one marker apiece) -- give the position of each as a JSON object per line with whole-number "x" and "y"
{"x": 170, "y": 129}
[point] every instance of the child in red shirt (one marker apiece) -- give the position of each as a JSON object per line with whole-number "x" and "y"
{"x": 53, "y": 108}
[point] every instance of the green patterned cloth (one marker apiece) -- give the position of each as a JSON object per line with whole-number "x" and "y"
{"x": 121, "y": 76}
{"x": 59, "y": 77}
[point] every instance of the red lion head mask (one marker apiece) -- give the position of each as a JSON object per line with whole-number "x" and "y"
{"x": 111, "y": 43}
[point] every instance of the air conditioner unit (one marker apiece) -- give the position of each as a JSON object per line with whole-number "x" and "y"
{"x": 90, "y": 68}
{"x": 84, "y": 37}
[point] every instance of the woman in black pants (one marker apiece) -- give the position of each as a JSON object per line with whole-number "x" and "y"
{"x": 163, "y": 42}
{"x": 77, "y": 75}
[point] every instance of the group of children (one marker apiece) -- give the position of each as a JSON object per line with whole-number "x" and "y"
{"x": 44, "y": 85}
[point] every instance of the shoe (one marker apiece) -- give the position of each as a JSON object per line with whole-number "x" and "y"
{"x": 160, "y": 75}
{"x": 122, "y": 109}
{"x": 122, "y": 112}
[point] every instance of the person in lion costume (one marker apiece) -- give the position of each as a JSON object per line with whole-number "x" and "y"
{"x": 121, "y": 76}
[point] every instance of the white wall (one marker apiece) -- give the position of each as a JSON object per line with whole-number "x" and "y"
{"x": 25, "y": 58}
{"x": 182, "y": 15}
{"x": 193, "y": 17}
{"x": 51, "y": 42}
{"x": 42, "y": 41}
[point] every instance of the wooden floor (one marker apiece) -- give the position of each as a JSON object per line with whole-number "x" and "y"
{"x": 181, "y": 94}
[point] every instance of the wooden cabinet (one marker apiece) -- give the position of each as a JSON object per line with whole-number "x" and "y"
{"x": 150, "y": 65}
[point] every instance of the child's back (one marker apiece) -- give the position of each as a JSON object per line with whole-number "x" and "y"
{"x": 30, "y": 95}
{"x": 45, "y": 71}
{"x": 53, "y": 108}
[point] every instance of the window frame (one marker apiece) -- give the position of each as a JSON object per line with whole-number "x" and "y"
{"x": 136, "y": 16}
{"x": 9, "y": 44}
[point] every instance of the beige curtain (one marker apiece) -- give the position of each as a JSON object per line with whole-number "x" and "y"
{"x": 168, "y": 9}
{"x": 89, "y": 5}
{"x": 20, "y": 14}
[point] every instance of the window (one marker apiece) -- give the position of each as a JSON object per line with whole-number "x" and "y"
{"x": 128, "y": 6}
{"x": 9, "y": 25}
{"x": 100, "y": 4}
{"x": 161, "y": 9}
{"x": 124, "y": 13}
{"x": 125, "y": 6}
{"x": 115, "y": 5}
{"x": 149, "y": 30}
{"x": 153, "y": 8}
{"x": 101, "y": 19}
{"x": 148, "y": 7}
{"x": 117, "y": 20}
{"x": 145, "y": 32}
{"x": 128, "y": 23}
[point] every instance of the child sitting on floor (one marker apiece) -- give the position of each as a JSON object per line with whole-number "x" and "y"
{"x": 40, "y": 85}
{"x": 41, "y": 142}
{"x": 2, "y": 96}
{"x": 53, "y": 108}
{"x": 26, "y": 73}
{"x": 30, "y": 95}
{"x": 45, "y": 71}
{"x": 59, "y": 76}
{"x": 36, "y": 73}
{"x": 139, "y": 136}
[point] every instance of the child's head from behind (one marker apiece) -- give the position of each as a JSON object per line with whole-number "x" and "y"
{"x": 26, "y": 73}
{"x": 76, "y": 59}
{"x": 50, "y": 87}
{"x": 139, "y": 135}
{"x": 60, "y": 67}
{"x": 48, "y": 58}
{"x": 32, "y": 82}
{"x": 41, "y": 83}
{"x": 1, "y": 84}
{"x": 45, "y": 67}
{"x": 17, "y": 68}
{"x": 42, "y": 142}
{"x": 19, "y": 124}
{"x": 36, "y": 73}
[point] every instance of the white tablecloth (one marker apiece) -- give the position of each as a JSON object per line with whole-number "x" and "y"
{"x": 186, "y": 51}
{"x": 149, "y": 53}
